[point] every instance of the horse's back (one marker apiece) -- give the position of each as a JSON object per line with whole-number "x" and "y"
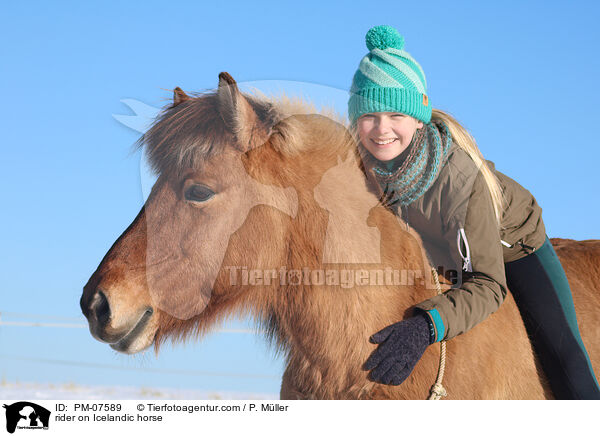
{"x": 514, "y": 374}
{"x": 581, "y": 262}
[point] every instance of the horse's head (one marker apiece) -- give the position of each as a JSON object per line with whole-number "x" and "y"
{"x": 164, "y": 269}
{"x": 221, "y": 184}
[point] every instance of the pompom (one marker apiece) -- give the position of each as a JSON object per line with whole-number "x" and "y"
{"x": 382, "y": 37}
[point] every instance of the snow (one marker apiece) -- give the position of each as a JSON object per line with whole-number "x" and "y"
{"x": 32, "y": 391}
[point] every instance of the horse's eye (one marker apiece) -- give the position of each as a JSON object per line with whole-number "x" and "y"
{"x": 198, "y": 193}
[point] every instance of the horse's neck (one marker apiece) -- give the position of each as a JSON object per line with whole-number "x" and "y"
{"x": 326, "y": 327}
{"x": 327, "y": 331}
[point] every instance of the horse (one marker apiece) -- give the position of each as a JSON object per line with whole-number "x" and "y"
{"x": 262, "y": 209}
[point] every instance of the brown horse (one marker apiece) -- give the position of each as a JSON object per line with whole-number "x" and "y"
{"x": 263, "y": 210}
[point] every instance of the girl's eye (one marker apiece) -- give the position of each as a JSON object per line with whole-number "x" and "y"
{"x": 198, "y": 193}
{"x": 398, "y": 115}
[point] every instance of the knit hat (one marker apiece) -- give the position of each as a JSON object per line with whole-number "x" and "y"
{"x": 388, "y": 79}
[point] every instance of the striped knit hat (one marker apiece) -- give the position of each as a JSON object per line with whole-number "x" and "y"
{"x": 388, "y": 79}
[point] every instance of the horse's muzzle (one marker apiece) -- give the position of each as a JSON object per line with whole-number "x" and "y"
{"x": 96, "y": 308}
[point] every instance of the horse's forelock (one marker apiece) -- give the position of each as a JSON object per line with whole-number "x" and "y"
{"x": 186, "y": 134}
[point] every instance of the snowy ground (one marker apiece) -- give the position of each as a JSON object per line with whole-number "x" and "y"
{"x": 32, "y": 391}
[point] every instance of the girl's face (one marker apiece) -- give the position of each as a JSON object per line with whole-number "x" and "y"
{"x": 386, "y": 134}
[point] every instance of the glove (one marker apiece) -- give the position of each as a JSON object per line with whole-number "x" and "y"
{"x": 401, "y": 345}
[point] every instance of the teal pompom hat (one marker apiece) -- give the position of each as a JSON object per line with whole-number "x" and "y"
{"x": 388, "y": 79}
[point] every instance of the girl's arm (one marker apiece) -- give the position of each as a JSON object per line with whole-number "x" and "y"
{"x": 478, "y": 251}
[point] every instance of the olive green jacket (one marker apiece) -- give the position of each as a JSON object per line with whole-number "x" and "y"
{"x": 456, "y": 221}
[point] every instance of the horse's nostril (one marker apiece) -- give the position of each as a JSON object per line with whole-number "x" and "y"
{"x": 100, "y": 308}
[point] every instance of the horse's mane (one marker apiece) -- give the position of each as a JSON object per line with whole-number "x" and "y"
{"x": 185, "y": 134}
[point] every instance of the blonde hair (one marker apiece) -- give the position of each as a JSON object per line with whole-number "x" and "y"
{"x": 464, "y": 140}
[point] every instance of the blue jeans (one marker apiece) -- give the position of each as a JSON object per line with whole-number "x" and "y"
{"x": 542, "y": 293}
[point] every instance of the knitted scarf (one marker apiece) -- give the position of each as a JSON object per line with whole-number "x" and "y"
{"x": 427, "y": 153}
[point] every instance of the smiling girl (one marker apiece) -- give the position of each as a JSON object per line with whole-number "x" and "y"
{"x": 480, "y": 227}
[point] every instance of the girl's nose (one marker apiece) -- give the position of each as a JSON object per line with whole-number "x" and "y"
{"x": 382, "y": 125}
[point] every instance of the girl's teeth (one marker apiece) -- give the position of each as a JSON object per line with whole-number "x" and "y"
{"x": 384, "y": 142}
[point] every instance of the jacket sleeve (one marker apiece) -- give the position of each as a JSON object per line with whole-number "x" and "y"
{"x": 477, "y": 251}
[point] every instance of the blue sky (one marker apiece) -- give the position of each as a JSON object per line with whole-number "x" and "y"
{"x": 522, "y": 76}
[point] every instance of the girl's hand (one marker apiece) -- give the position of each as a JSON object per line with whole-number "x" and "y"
{"x": 401, "y": 345}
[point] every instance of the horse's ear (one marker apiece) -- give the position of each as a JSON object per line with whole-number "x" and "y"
{"x": 228, "y": 97}
{"x": 179, "y": 96}
{"x": 238, "y": 115}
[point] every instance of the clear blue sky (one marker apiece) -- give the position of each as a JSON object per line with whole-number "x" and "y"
{"x": 522, "y": 76}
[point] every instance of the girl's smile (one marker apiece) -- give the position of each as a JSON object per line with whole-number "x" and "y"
{"x": 383, "y": 142}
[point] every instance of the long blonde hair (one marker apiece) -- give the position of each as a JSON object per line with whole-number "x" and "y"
{"x": 463, "y": 138}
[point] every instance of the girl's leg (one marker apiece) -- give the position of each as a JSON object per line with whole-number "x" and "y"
{"x": 541, "y": 290}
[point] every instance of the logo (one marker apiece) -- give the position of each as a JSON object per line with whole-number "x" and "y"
{"x": 26, "y": 415}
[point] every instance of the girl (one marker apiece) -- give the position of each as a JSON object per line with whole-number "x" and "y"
{"x": 479, "y": 226}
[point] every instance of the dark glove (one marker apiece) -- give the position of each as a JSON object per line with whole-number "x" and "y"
{"x": 401, "y": 345}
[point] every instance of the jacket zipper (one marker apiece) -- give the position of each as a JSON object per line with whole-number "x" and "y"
{"x": 466, "y": 257}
